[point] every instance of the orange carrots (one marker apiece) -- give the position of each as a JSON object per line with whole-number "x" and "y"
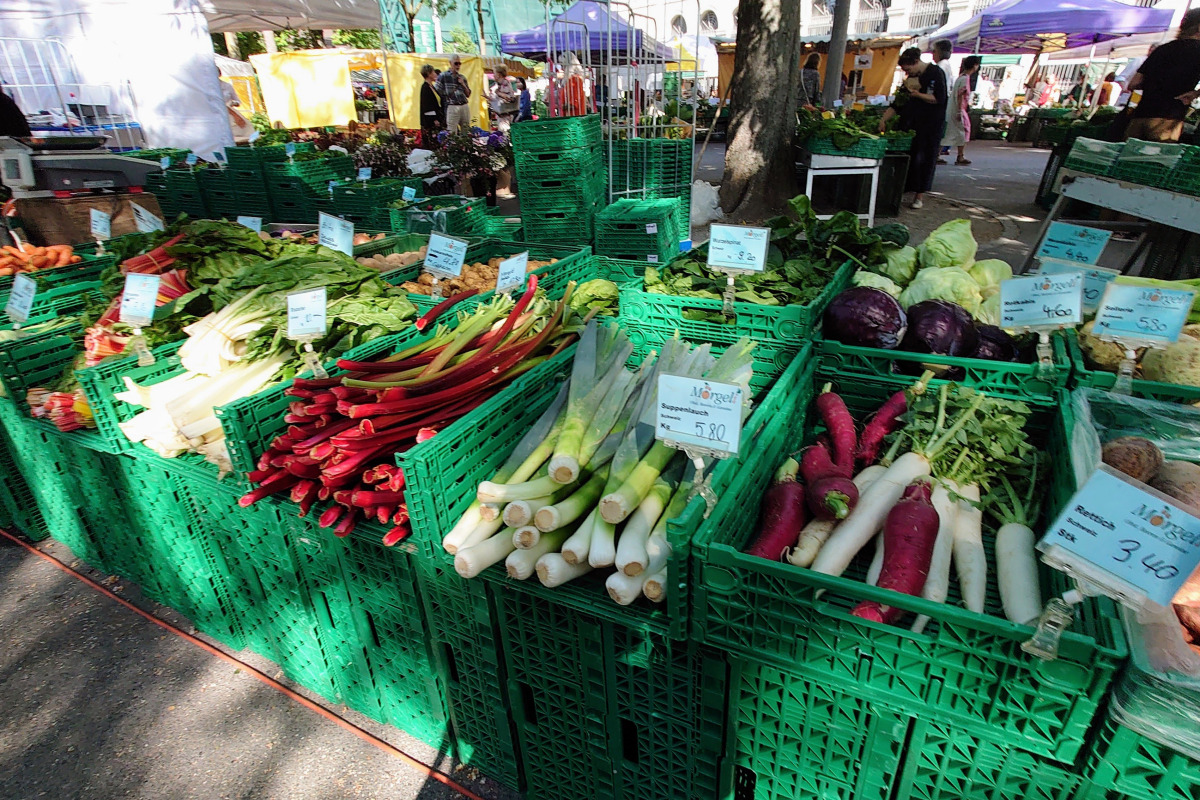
{"x": 29, "y": 258}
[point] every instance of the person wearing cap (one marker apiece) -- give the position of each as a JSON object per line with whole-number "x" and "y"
{"x": 456, "y": 94}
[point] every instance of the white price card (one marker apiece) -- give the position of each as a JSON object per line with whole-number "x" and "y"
{"x": 289, "y": 149}
{"x": 146, "y": 221}
{"x": 652, "y": 258}
{"x": 20, "y": 299}
{"x": 651, "y": 227}
{"x": 1142, "y": 314}
{"x": 254, "y": 136}
{"x": 512, "y": 272}
{"x": 1095, "y": 279}
{"x": 737, "y": 247}
{"x": 219, "y": 157}
{"x": 165, "y": 162}
{"x": 139, "y": 299}
{"x": 306, "y": 313}
{"x": 445, "y": 255}
{"x": 335, "y": 233}
{"x": 693, "y": 412}
{"x": 192, "y": 159}
{"x": 1041, "y": 301}
{"x": 101, "y": 224}
{"x": 1130, "y": 531}
{"x": 364, "y": 173}
{"x": 253, "y": 223}
{"x": 1077, "y": 243}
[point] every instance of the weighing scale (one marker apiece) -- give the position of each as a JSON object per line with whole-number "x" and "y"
{"x": 53, "y": 165}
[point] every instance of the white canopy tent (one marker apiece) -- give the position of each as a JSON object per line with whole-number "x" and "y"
{"x": 262, "y": 15}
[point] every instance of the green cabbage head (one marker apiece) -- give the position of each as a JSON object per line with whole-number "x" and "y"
{"x": 900, "y": 263}
{"x": 990, "y": 272}
{"x": 989, "y": 311}
{"x": 950, "y": 245}
{"x": 864, "y": 278}
{"x": 951, "y": 284}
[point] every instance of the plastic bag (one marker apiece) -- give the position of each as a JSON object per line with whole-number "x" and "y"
{"x": 706, "y": 206}
{"x": 1159, "y": 694}
{"x": 1103, "y": 416}
{"x": 420, "y": 162}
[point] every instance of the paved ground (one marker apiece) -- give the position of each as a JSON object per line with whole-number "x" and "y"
{"x": 97, "y": 702}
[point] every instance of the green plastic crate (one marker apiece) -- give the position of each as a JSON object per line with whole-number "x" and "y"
{"x": 788, "y": 324}
{"x": 1140, "y": 768}
{"x": 506, "y": 228}
{"x": 605, "y": 711}
{"x": 314, "y": 175}
{"x": 18, "y": 507}
{"x": 866, "y": 147}
{"x": 102, "y": 382}
{"x": 561, "y": 133}
{"x": 639, "y": 230}
{"x": 443, "y": 473}
{"x": 965, "y": 668}
{"x": 1147, "y": 163}
{"x": 37, "y": 361}
{"x": 1083, "y": 375}
{"x": 1093, "y": 156}
{"x": 945, "y": 762}
{"x": 793, "y": 737}
{"x": 558, "y": 163}
{"x": 1010, "y": 379}
{"x": 463, "y": 216}
{"x": 82, "y": 276}
{"x": 899, "y": 141}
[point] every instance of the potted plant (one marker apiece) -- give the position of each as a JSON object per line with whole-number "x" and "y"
{"x": 475, "y": 160}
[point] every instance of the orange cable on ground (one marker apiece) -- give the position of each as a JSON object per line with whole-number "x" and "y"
{"x": 366, "y": 736}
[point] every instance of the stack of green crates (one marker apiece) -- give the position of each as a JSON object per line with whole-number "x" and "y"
{"x": 562, "y": 178}
{"x": 1186, "y": 177}
{"x": 365, "y": 203}
{"x": 187, "y": 197}
{"x": 451, "y": 213}
{"x": 156, "y": 155}
{"x": 639, "y": 230}
{"x": 1093, "y": 156}
{"x": 1147, "y": 163}
{"x": 218, "y": 186}
{"x": 301, "y": 189}
{"x": 655, "y": 169}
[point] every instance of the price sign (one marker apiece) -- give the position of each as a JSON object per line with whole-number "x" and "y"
{"x": 330, "y": 186}
{"x": 1141, "y": 314}
{"x": 652, "y": 258}
{"x": 1041, "y": 301}
{"x": 512, "y": 271}
{"x": 145, "y": 221}
{"x": 697, "y": 413}
{"x": 409, "y": 193}
{"x": 651, "y": 227}
{"x": 139, "y": 299}
{"x": 219, "y": 157}
{"x": 165, "y": 162}
{"x": 364, "y": 173}
{"x": 254, "y": 136}
{"x": 20, "y": 299}
{"x": 1130, "y": 531}
{"x": 1095, "y": 279}
{"x": 253, "y": 223}
{"x": 289, "y": 149}
{"x": 335, "y": 233}
{"x": 445, "y": 255}
{"x": 1077, "y": 243}
{"x": 306, "y": 314}
{"x": 191, "y": 159}
{"x": 864, "y": 60}
{"x": 737, "y": 247}
{"x": 101, "y": 224}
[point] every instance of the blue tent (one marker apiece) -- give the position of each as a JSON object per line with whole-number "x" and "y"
{"x": 585, "y": 26}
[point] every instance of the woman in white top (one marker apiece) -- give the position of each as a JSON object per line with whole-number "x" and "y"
{"x": 958, "y": 118}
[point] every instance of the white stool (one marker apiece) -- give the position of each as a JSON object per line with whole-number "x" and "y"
{"x": 821, "y": 166}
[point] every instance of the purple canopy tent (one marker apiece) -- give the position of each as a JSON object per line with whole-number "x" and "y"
{"x": 566, "y": 34}
{"x": 1043, "y": 26}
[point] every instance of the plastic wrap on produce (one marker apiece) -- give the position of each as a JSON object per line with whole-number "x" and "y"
{"x": 1103, "y": 416}
{"x": 1152, "y": 697}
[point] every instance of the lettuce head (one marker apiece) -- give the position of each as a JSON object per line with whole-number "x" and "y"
{"x": 950, "y": 245}
{"x": 990, "y": 272}
{"x": 951, "y": 284}
{"x": 900, "y": 264}
{"x": 864, "y": 278}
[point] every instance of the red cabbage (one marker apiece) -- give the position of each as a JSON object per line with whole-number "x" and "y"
{"x": 865, "y": 317}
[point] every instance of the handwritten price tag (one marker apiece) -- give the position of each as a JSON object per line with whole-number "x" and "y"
{"x": 165, "y": 162}
{"x": 289, "y": 149}
{"x": 335, "y": 233}
{"x": 1130, "y": 531}
{"x": 445, "y": 255}
{"x": 101, "y": 224}
{"x": 139, "y": 299}
{"x": 1095, "y": 279}
{"x": 699, "y": 413}
{"x": 1076, "y": 243}
{"x": 253, "y": 223}
{"x": 20, "y": 299}
{"x": 1136, "y": 314}
{"x": 512, "y": 272}
{"x": 192, "y": 159}
{"x": 651, "y": 227}
{"x": 409, "y": 193}
{"x": 146, "y": 221}
{"x": 1041, "y": 301}
{"x": 364, "y": 173}
{"x": 737, "y": 247}
{"x": 306, "y": 313}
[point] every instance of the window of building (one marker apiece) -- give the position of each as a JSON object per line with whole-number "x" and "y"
{"x": 708, "y": 21}
{"x": 679, "y": 25}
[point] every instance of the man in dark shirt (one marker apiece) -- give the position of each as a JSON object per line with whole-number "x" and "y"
{"x": 1168, "y": 81}
{"x": 12, "y": 121}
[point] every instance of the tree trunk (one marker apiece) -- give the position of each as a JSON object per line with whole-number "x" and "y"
{"x": 760, "y": 171}
{"x": 479, "y": 22}
{"x": 231, "y": 45}
{"x": 837, "y": 53}
{"x": 269, "y": 41}
{"x": 412, "y": 31}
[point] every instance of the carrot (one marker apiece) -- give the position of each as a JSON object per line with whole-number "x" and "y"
{"x": 908, "y": 536}
{"x": 841, "y": 428}
{"x": 12, "y": 251}
{"x": 782, "y": 514}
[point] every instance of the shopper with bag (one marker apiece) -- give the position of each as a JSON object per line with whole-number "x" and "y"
{"x": 503, "y": 100}
{"x": 1167, "y": 81}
